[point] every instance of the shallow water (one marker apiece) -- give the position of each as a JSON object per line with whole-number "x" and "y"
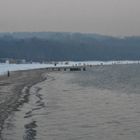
{"x": 61, "y": 109}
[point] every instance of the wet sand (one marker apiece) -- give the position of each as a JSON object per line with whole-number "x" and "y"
{"x": 11, "y": 90}
{"x": 101, "y": 104}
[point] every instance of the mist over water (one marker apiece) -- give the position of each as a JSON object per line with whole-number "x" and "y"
{"x": 101, "y": 104}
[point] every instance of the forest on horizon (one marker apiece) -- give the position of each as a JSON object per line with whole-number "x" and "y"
{"x": 54, "y": 46}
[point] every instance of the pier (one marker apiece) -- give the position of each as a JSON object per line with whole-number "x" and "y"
{"x": 67, "y": 68}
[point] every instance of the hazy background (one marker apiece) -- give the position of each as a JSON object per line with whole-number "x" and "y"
{"x": 111, "y": 17}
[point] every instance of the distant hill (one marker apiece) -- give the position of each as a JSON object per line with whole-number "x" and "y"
{"x": 55, "y": 46}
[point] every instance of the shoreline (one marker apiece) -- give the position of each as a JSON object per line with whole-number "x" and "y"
{"x": 12, "y": 88}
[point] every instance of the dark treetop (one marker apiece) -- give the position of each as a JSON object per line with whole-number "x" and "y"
{"x": 68, "y": 46}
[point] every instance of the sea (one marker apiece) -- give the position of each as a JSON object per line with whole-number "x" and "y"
{"x": 101, "y": 103}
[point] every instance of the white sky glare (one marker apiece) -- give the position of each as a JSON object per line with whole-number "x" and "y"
{"x": 110, "y": 17}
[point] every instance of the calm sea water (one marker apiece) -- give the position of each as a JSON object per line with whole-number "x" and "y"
{"x": 69, "y": 106}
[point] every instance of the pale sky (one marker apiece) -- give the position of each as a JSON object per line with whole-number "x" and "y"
{"x": 110, "y": 17}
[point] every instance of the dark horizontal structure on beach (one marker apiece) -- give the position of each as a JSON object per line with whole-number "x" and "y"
{"x": 68, "y": 68}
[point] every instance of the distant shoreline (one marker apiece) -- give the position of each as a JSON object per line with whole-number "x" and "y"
{"x": 20, "y": 67}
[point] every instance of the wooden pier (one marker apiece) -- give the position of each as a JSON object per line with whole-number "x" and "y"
{"x": 67, "y": 68}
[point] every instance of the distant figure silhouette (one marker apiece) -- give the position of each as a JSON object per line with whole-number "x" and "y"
{"x": 8, "y": 73}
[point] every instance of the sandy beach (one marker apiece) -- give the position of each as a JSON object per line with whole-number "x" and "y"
{"x": 11, "y": 89}
{"x": 100, "y": 103}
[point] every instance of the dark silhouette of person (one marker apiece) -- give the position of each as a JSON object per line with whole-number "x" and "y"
{"x": 8, "y": 73}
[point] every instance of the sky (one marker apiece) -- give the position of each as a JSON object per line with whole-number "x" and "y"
{"x": 108, "y": 17}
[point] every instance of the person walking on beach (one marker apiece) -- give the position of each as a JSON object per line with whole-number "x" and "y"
{"x": 8, "y": 73}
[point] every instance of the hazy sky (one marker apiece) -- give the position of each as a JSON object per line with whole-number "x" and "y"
{"x": 111, "y": 17}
